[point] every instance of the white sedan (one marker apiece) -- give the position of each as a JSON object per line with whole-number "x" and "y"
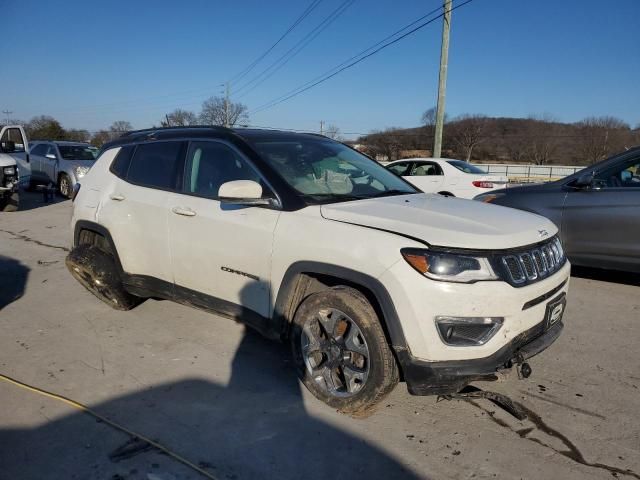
{"x": 447, "y": 176}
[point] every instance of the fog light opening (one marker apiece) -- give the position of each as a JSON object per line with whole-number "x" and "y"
{"x": 467, "y": 331}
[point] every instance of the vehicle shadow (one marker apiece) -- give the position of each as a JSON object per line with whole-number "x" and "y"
{"x": 254, "y": 427}
{"x": 612, "y": 276}
{"x": 13, "y": 279}
{"x": 36, "y": 199}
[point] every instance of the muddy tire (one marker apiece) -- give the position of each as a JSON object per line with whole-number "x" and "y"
{"x": 340, "y": 351}
{"x": 64, "y": 185}
{"x": 96, "y": 270}
{"x": 10, "y": 203}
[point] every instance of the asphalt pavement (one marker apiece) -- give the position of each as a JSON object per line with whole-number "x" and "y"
{"x": 228, "y": 401}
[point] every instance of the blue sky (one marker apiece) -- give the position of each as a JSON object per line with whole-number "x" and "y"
{"x": 89, "y": 63}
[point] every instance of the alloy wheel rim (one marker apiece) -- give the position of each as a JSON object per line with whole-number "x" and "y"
{"x": 335, "y": 352}
{"x": 64, "y": 186}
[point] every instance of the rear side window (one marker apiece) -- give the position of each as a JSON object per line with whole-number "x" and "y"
{"x": 120, "y": 164}
{"x": 156, "y": 165}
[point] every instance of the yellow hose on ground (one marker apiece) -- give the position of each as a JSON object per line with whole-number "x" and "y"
{"x": 115, "y": 425}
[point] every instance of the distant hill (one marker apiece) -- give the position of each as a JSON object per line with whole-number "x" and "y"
{"x": 509, "y": 140}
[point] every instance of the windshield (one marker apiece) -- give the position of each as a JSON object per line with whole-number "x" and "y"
{"x": 322, "y": 170}
{"x": 465, "y": 167}
{"x": 77, "y": 152}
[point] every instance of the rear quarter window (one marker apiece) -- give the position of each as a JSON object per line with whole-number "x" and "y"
{"x": 120, "y": 164}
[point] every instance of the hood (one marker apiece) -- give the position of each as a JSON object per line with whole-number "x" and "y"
{"x": 445, "y": 221}
{"x": 6, "y": 160}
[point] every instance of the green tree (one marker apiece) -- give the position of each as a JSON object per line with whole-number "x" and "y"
{"x": 44, "y": 127}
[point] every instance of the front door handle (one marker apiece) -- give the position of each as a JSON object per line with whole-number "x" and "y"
{"x": 117, "y": 197}
{"x": 187, "y": 212}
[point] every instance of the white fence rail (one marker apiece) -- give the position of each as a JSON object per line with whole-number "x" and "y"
{"x": 531, "y": 173}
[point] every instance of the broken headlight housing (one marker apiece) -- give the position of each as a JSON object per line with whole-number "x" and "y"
{"x": 449, "y": 267}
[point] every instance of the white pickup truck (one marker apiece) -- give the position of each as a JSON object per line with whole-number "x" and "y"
{"x": 15, "y": 168}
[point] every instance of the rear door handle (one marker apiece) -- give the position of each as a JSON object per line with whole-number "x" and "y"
{"x": 187, "y": 212}
{"x": 117, "y": 197}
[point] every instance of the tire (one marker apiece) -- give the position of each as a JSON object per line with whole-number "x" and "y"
{"x": 10, "y": 203}
{"x": 96, "y": 270}
{"x": 64, "y": 185}
{"x": 320, "y": 363}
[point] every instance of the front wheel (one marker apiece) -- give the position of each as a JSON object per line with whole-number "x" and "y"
{"x": 64, "y": 185}
{"x": 341, "y": 352}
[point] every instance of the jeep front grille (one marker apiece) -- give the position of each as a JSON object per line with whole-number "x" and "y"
{"x": 533, "y": 264}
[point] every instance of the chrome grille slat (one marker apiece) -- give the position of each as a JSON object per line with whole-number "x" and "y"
{"x": 529, "y": 266}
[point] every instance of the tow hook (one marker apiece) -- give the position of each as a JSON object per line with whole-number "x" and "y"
{"x": 524, "y": 369}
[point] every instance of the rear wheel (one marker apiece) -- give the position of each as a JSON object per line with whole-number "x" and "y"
{"x": 340, "y": 350}
{"x": 96, "y": 270}
{"x": 10, "y": 203}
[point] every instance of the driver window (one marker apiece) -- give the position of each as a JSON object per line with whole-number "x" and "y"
{"x": 210, "y": 164}
{"x": 627, "y": 176}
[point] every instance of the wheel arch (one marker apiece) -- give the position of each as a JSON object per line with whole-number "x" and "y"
{"x": 102, "y": 239}
{"x": 446, "y": 193}
{"x": 306, "y": 277}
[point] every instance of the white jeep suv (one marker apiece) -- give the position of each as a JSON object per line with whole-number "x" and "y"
{"x": 309, "y": 241}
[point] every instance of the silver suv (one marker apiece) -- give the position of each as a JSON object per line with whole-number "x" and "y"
{"x": 60, "y": 164}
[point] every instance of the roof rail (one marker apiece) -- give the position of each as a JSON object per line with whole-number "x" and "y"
{"x": 161, "y": 129}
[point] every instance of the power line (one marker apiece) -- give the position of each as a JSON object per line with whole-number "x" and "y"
{"x": 302, "y": 89}
{"x": 397, "y": 32}
{"x": 304, "y": 15}
{"x": 297, "y": 48}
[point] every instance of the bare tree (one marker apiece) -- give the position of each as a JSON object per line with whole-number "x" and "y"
{"x": 384, "y": 145}
{"x": 76, "y": 135}
{"x": 214, "y": 112}
{"x": 602, "y": 136}
{"x": 101, "y": 137}
{"x": 120, "y": 126}
{"x": 541, "y": 139}
{"x": 468, "y": 131}
{"x": 179, "y": 118}
{"x": 428, "y": 119}
{"x": 333, "y": 131}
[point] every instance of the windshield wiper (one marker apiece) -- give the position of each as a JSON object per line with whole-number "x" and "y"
{"x": 390, "y": 193}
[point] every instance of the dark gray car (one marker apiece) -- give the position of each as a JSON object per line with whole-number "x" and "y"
{"x": 596, "y": 209}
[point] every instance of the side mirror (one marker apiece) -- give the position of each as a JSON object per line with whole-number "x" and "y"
{"x": 51, "y": 156}
{"x": 585, "y": 180}
{"x": 242, "y": 192}
{"x": 9, "y": 146}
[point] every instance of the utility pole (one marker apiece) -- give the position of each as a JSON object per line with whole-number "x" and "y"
{"x": 321, "y": 127}
{"x": 226, "y": 105}
{"x": 442, "y": 82}
{"x": 7, "y": 113}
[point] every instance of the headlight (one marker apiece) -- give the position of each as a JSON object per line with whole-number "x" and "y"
{"x": 81, "y": 171}
{"x": 488, "y": 197}
{"x": 9, "y": 170}
{"x": 449, "y": 267}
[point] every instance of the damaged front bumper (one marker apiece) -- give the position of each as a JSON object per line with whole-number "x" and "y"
{"x": 445, "y": 377}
